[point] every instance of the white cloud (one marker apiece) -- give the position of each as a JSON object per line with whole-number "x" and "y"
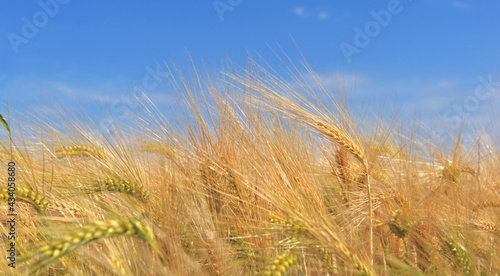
{"x": 323, "y": 15}
{"x": 315, "y": 13}
{"x": 299, "y": 11}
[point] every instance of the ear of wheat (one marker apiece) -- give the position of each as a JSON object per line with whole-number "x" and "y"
{"x": 484, "y": 225}
{"x": 298, "y": 230}
{"x": 487, "y": 204}
{"x": 28, "y": 196}
{"x": 56, "y": 249}
{"x": 81, "y": 151}
{"x": 280, "y": 266}
{"x": 342, "y": 139}
{"x": 121, "y": 186}
{"x": 462, "y": 257}
{"x": 67, "y": 209}
{"x": 339, "y": 136}
{"x": 160, "y": 149}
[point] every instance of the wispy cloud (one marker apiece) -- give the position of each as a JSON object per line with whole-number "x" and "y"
{"x": 300, "y": 11}
{"x": 431, "y": 94}
{"x": 323, "y": 15}
{"x": 311, "y": 13}
{"x": 460, "y": 5}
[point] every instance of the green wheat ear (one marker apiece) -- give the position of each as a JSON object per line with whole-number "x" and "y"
{"x": 121, "y": 186}
{"x": 280, "y": 266}
{"x": 58, "y": 248}
{"x": 28, "y": 196}
{"x": 4, "y": 123}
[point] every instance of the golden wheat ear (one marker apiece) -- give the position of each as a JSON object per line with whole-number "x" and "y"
{"x": 65, "y": 208}
{"x": 487, "y": 204}
{"x": 487, "y": 226}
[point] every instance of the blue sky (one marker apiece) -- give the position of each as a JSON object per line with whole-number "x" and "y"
{"x": 430, "y": 54}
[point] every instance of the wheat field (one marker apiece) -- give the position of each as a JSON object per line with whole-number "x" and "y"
{"x": 252, "y": 173}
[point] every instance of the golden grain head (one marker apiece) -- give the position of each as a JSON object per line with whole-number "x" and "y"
{"x": 488, "y": 204}
{"x": 342, "y": 139}
{"x": 65, "y": 208}
{"x": 451, "y": 173}
{"x": 484, "y": 225}
{"x": 160, "y": 149}
{"x": 79, "y": 151}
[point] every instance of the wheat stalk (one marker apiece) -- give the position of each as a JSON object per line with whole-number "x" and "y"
{"x": 342, "y": 171}
{"x": 337, "y": 135}
{"x": 299, "y": 230}
{"x": 342, "y": 139}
